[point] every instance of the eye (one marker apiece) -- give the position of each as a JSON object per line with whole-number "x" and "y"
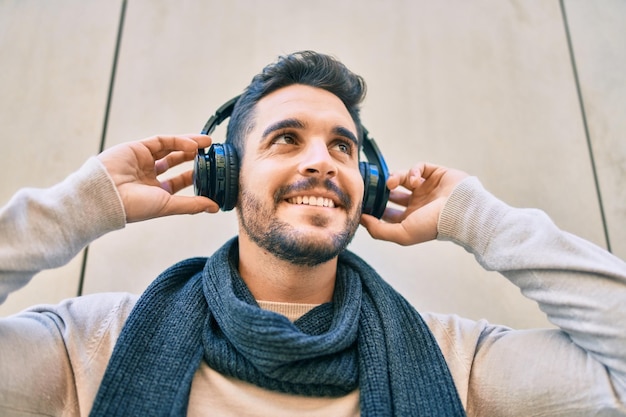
{"x": 344, "y": 147}
{"x": 284, "y": 139}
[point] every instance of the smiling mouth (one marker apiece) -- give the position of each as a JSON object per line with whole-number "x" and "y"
{"x": 312, "y": 201}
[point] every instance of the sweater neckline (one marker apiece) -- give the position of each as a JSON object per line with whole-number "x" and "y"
{"x": 293, "y": 311}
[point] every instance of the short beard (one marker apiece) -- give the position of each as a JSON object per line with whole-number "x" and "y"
{"x": 281, "y": 240}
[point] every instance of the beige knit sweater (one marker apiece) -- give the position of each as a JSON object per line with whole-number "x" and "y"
{"x": 52, "y": 358}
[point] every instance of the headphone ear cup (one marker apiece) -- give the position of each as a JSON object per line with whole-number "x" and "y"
{"x": 231, "y": 177}
{"x": 375, "y": 191}
{"x": 216, "y": 175}
{"x": 201, "y": 174}
{"x": 369, "y": 187}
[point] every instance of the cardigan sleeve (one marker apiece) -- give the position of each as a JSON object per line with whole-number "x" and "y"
{"x": 46, "y": 228}
{"x": 578, "y": 368}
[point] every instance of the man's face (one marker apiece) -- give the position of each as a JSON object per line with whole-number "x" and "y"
{"x": 301, "y": 188}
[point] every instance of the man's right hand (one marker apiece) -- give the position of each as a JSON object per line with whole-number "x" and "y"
{"x": 134, "y": 167}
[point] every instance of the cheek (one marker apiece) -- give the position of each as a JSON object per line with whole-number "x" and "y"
{"x": 261, "y": 179}
{"x": 356, "y": 188}
{"x": 253, "y": 177}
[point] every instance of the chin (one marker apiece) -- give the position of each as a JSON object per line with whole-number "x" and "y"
{"x": 314, "y": 218}
{"x": 307, "y": 250}
{"x": 306, "y": 236}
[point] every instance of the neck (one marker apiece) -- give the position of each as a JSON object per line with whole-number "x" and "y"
{"x": 272, "y": 279}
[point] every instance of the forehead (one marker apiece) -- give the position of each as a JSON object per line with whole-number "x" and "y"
{"x": 311, "y": 105}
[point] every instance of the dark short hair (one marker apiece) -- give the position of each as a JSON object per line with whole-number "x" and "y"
{"x": 306, "y": 68}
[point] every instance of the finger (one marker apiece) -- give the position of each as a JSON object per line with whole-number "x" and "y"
{"x": 179, "y": 182}
{"x": 393, "y": 215}
{"x": 400, "y": 197}
{"x": 430, "y": 169}
{"x": 189, "y": 205}
{"x": 409, "y": 179}
{"x": 172, "y": 160}
{"x": 160, "y": 146}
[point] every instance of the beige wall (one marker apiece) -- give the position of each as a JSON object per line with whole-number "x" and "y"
{"x": 486, "y": 86}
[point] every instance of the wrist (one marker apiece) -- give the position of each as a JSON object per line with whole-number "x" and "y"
{"x": 470, "y": 216}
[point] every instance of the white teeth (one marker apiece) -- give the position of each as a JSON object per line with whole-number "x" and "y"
{"x": 312, "y": 201}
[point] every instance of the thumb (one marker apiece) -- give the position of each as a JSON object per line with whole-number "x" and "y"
{"x": 378, "y": 229}
{"x": 367, "y": 221}
{"x": 189, "y": 205}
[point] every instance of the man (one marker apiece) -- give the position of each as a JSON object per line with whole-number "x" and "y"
{"x": 284, "y": 321}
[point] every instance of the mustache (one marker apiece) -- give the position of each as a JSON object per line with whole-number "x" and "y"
{"x": 311, "y": 183}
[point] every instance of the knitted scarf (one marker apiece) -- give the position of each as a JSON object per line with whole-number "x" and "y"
{"x": 368, "y": 337}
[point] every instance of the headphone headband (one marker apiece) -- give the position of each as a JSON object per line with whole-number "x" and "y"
{"x": 220, "y": 115}
{"x": 216, "y": 171}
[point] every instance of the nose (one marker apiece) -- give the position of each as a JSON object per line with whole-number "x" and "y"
{"x": 317, "y": 161}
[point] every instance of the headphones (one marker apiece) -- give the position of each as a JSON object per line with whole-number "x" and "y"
{"x": 216, "y": 170}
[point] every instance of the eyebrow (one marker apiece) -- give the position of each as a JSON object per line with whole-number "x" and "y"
{"x": 282, "y": 124}
{"x": 342, "y": 131}
{"x": 298, "y": 124}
